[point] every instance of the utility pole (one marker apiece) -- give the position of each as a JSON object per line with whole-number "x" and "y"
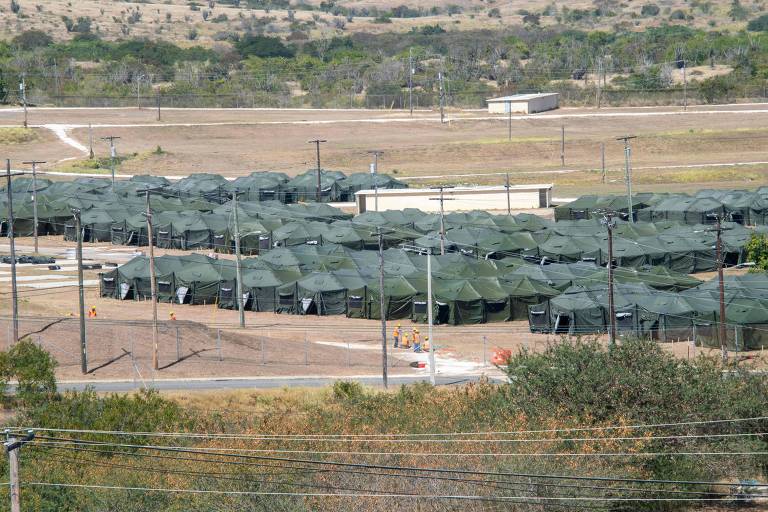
{"x": 382, "y": 308}
{"x": 721, "y": 288}
{"x": 12, "y": 445}
{"x": 442, "y": 96}
{"x": 34, "y": 163}
{"x": 239, "y": 263}
{"x": 562, "y": 146}
{"x": 157, "y": 97}
{"x": 410, "y": 80}
{"x": 509, "y": 202}
{"x": 23, "y": 94}
{"x": 138, "y": 91}
{"x": 628, "y": 173}
{"x": 152, "y": 278}
{"x": 12, "y": 243}
{"x": 610, "y": 223}
{"x": 113, "y": 155}
{"x": 442, "y": 215}
{"x": 374, "y": 175}
{"x": 509, "y": 121}
{"x": 80, "y": 292}
{"x": 685, "y": 87}
{"x": 317, "y": 143}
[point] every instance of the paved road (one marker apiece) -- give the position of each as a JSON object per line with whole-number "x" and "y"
{"x": 257, "y": 383}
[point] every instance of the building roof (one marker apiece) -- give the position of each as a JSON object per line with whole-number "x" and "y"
{"x": 455, "y": 190}
{"x": 521, "y": 97}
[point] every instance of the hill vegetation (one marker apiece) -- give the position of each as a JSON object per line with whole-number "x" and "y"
{"x": 573, "y": 384}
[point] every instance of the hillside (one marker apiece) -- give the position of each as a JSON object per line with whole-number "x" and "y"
{"x": 208, "y": 22}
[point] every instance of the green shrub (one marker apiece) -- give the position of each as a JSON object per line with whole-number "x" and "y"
{"x": 759, "y": 24}
{"x": 32, "y": 368}
{"x": 757, "y": 251}
{"x": 636, "y": 380}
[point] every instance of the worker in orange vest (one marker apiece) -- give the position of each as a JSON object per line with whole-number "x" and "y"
{"x": 396, "y": 335}
{"x": 425, "y": 345}
{"x": 416, "y": 340}
{"x": 92, "y": 312}
{"x": 172, "y": 316}
{"x": 406, "y": 341}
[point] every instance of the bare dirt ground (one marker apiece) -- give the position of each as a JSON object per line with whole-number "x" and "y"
{"x": 204, "y": 341}
{"x": 675, "y": 150}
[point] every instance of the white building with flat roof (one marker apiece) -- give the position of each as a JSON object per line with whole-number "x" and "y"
{"x": 518, "y": 197}
{"x": 524, "y": 103}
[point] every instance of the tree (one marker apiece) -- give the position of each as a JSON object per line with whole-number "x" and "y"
{"x": 494, "y": 13}
{"x": 31, "y": 39}
{"x": 716, "y": 88}
{"x": 15, "y": 7}
{"x": 759, "y": 24}
{"x": 32, "y": 368}
{"x": 263, "y": 46}
{"x": 650, "y": 10}
{"x": 757, "y": 251}
{"x": 737, "y": 12}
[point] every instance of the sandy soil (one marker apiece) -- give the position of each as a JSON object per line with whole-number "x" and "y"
{"x": 211, "y": 345}
{"x": 673, "y": 151}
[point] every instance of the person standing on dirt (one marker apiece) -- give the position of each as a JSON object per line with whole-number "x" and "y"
{"x": 406, "y": 341}
{"x": 396, "y": 335}
{"x": 92, "y": 312}
{"x": 416, "y": 340}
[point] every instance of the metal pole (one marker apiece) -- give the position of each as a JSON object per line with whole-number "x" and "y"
{"x": 158, "y": 106}
{"x": 382, "y": 310}
{"x": 138, "y": 92}
{"x": 90, "y": 141}
{"x": 23, "y": 87}
{"x": 602, "y": 160}
{"x": 685, "y": 87}
{"x": 317, "y": 143}
{"x": 442, "y": 97}
{"x": 509, "y": 201}
{"x": 562, "y": 146}
{"x": 12, "y": 242}
{"x": 113, "y": 156}
{"x": 374, "y": 175}
{"x": 239, "y": 264}
{"x": 410, "y": 81}
{"x": 153, "y": 285}
{"x": 81, "y": 292}
{"x": 628, "y": 174}
{"x": 432, "y": 369}
{"x": 178, "y": 345}
{"x": 34, "y": 198}
{"x": 721, "y": 289}
{"x": 509, "y": 121}
{"x": 442, "y": 224}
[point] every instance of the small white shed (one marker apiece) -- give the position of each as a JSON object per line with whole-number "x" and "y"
{"x": 524, "y": 103}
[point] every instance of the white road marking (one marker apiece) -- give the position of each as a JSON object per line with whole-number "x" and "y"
{"x": 60, "y": 284}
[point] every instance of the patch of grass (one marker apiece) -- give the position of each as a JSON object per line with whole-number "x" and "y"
{"x": 515, "y": 140}
{"x": 17, "y": 135}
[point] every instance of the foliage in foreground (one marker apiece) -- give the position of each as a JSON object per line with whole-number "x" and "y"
{"x": 571, "y": 384}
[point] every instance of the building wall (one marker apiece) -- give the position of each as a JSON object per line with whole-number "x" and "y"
{"x": 480, "y": 198}
{"x": 543, "y": 103}
{"x": 530, "y": 106}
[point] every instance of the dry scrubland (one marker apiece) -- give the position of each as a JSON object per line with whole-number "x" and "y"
{"x": 112, "y": 18}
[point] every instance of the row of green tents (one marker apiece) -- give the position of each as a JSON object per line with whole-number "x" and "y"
{"x": 335, "y": 280}
{"x": 335, "y": 186}
{"x": 640, "y": 310}
{"x": 749, "y": 207}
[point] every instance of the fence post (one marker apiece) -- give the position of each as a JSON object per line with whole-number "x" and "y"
{"x": 485, "y": 351}
{"x": 263, "y": 359}
{"x": 218, "y": 343}
{"x": 178, "y": 345}
{"x": 348, "y": 354}
{"x": 306, "y": 349}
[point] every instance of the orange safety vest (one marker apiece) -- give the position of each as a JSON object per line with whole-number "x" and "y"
{"x": 425, "y": 345}
{"x": 406, "y": 342}
{"x": 415, "y": 338}
{"x": 396, "y": 333}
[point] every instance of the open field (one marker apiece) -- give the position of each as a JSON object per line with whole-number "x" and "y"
{"x": 674, "y": 151}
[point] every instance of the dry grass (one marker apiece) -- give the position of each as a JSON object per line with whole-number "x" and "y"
{"x": 17, "y": 135}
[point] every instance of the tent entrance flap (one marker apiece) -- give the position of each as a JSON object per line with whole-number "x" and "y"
{"x": 562, "y": 324}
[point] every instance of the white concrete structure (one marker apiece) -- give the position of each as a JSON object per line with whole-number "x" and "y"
{"x": 461, "y": 198}
{"x": 524, "y": 103}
